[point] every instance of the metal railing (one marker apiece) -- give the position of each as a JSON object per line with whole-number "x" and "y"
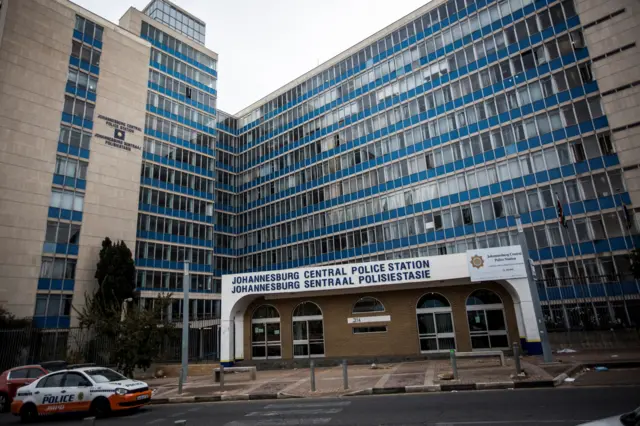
{"x": 31, "y": 345}
{"x": 591, "y": 311}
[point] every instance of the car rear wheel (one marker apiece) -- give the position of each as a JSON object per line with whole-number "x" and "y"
{"x": 100, "y": 407}
{"x": 28, "y": 413}
{"x": 5, "y": 404}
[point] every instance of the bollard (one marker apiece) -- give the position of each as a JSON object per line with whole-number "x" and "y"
{"x": 516, "y": 357}
{"x": 312, "y": 371}
{"x": 345, "y": 376}
{"x": 454, "y": 363}
{"x": 89, "y": 421}
{"x": 180, "y": 422}
{"x": 221, "y": 377}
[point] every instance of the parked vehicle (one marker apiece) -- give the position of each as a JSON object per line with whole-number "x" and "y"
{"x": 97, "y": 390}
{"x": 14, "y": 378}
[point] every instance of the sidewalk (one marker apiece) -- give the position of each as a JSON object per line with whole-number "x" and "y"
{"x": 419, "y": 376}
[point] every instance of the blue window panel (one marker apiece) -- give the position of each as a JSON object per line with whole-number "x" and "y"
{"x": 558, "y": 251}
{"x": 44, "y": 284}
{"x": 567, "y": 292}
{"x": 611, "y": 160}
{"x": 597, "y": 290}
{"x": 537, "y": 216}
{"x": 582, "y": 290}
{"x": 601, "y": 246}
{"x": 630, "y": 287}
{"x": 549, "y": 213}
{"x": 618, "y": 243}
{"x": 591, "y": 205}
{"x": 586, "y": 248}
{"x": 582, "y": 167}
{"x": 545, "y": 254}
{"x": 68, "y": 285}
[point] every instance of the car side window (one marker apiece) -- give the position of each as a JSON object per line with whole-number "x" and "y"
{"x": 18, "y": 374}
{"x": 34, "y": 373}
{"x": 76, "y": 380}
{"x": 53, "y": 381}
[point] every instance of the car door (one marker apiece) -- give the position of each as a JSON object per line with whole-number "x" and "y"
{"x": 75, "y": 393}
{"x": 16, "y": 379}
{"x": 47, "y": 393}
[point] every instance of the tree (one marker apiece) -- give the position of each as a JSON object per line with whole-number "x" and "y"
{"x": 635, "y": 263}
{"x": 9, "y": 321}
{"x": 115, "y": 272}
{"x": 129, "y": 342}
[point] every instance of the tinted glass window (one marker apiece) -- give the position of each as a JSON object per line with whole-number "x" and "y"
{"x": 35, "y": 373}
{"x": 19, "y": 374}
{"x": 53, "y": 381}
{"x": 76, "y": 379}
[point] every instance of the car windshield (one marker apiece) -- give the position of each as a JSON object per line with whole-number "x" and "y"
{"x": 105, "y": 375}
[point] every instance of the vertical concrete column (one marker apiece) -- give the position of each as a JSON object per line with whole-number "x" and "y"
{"x": 227, "y": 354}
{"x": 239, "y": 336}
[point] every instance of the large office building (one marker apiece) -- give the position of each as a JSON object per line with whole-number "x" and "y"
{"x": 426, "y": 139}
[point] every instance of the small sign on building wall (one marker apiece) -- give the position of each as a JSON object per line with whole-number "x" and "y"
{"x": 377, "y": 318}
{"x": 497, "y": 263}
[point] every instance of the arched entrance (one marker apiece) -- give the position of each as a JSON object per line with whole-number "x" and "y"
{"x": 435, "y": 323}
{"x": 265, "y": 333}
{"x": 308, "y": 331}
{"x": 487, "y": 325}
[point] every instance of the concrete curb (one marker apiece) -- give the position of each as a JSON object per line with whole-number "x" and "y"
{"x": 366, "y": 391}
{"x": 494, "y": 385}
{"x": 534, "y": 384}
{"x": 422, "y": 388}
{"x": 283, "y": 395}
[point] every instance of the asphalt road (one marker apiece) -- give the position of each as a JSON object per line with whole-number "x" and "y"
{"x": 552, "y": 407}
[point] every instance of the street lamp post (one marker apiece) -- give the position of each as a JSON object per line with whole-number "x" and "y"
{"x": 535, "y": 297}
{"x": 123, "y": 310}
{"x": 185, "y": 326}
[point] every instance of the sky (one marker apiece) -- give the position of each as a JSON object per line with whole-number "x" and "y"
{"x": 263, "y": 45}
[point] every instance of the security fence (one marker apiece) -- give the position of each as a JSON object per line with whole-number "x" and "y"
{"x": 31, "y": 345}
{"x": 591, "y": 311}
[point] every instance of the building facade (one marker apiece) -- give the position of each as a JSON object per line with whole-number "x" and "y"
{"x": 425, "y": 139}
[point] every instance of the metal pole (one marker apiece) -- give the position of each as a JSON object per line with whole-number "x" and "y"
{"x": 345, "y": 376}
{"x": 221, "y": 377}
{"x": 454, "y": 363}
{"x": 535, "y": 298}
{"x": 312, "y": 371}
{"x": 185, "y": 326}
{"x": 516, "y": 357}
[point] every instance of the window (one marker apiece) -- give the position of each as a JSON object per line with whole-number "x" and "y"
{"x": 58, "y": 268}
{"x": 52, "y": 381}
{"x": 373, "y": 329}
{"x": 367, "y": 304}
{"x": 74, "y": 137}
{"x": 76, "y": 380}
{"x": 66, "y": 200}
{"x": 20, "y": 373}
{"x": 71, "y": 167}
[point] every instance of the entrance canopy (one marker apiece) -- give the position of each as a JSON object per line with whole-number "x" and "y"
{"x": 503, "y": 265}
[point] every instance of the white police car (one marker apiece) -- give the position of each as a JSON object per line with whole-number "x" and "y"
{"x": 97, "y": 390}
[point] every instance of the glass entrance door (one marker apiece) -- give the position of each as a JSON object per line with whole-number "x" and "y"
{"x": 308, "y": 338}
{"x": 487, "y": 328}
{"x": 435, "y": 330}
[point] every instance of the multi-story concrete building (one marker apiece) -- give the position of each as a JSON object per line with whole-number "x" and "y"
{"x": 425, "y": 139}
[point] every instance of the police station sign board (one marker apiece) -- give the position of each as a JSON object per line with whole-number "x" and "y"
{"x": 497, "y": 263}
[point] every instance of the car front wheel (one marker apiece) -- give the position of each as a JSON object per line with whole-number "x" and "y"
{"x": 100, "y": 407}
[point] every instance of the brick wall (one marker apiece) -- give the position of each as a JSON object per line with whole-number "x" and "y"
{"x": 401, "y": 338}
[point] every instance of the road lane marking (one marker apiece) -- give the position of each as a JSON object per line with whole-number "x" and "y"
{"x": 152, "y": 422}
{"x": 193, "y": 409}
{"x": 282, "y": 422}
{"x": 309, "y": 405}
{"x": 178, "y": 414}
{"x": 510, "y": 422}
{"x": 312, "y": 412}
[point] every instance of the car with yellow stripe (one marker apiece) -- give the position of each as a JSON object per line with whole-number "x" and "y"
{"x": 97, "y": 390}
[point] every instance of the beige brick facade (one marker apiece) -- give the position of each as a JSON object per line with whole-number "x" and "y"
{"x": 401, "y": 338}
